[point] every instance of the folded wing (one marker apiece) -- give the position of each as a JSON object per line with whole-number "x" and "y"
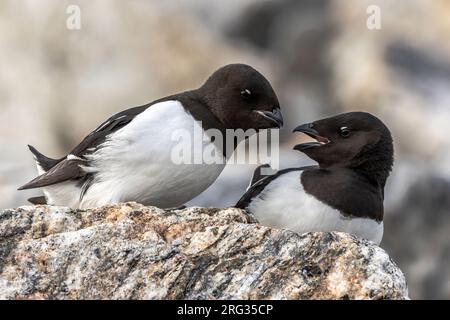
{"x": 259, "y": 182}
{"x": 69, "y": 168}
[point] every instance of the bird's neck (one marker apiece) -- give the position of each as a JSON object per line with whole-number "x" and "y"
{"x": 376, "y": 163}
{"x": 201, "y": 110}
{"x": 345, "y": 190}
{"x": 374, "y": 167}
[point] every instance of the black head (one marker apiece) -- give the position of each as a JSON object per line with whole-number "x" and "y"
{"x": 241, "y": 98}
{"x": 355, "y": 140}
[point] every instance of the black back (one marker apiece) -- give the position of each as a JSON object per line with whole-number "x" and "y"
{"x": 69, "y": 169}
{"x": 227, "y": 100}
{"x": 258, "y": 186}
{"x": 352, "y": 194}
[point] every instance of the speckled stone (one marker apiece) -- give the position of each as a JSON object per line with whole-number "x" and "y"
{"x": 128, "y": 251}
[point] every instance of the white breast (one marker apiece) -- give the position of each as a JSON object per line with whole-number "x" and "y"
{"x": 285, "y": 204}
{"x": 135, "y": 164}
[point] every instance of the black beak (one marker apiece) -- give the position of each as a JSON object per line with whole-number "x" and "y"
{"x": 308, "y": 129}
{"x": 274, "y": 116}
{"x": 305, "y": 146}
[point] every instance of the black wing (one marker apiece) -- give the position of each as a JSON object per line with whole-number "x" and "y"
{"x": 257, "y": 187}
{"x": 98, "y": 136}
{"x": 69, "y": 168}
{"x": 45, "y": 162}
{"x": 257, "y": 175}
{"x": 64, "y": 170}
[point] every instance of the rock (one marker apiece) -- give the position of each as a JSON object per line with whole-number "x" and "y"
{"x": 128, "y": 251}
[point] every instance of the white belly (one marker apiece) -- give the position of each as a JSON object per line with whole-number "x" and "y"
{"x": 135, "y": 163}
{"x": 285, "y": 204}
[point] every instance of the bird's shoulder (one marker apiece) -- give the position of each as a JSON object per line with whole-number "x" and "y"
{"x": 188, "y": 101}
{"x": 260, "y": 181}
{"x": 111, "y": 125}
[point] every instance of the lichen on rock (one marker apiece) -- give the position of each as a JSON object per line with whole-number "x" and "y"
{"x": 129, "y": 251}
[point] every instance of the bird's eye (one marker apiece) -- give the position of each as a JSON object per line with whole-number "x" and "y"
{"x": 344, "y": 132}
{"x": 246, "y": 93}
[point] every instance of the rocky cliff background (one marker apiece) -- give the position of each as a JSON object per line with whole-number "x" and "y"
{"x": 58, "y": 84}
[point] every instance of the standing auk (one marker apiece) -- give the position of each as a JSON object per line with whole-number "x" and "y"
{"x": 344, "y": 192}
{"x": 128, "y": 157}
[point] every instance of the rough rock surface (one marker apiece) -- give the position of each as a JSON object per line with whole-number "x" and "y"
{"x": 129, "y": 251}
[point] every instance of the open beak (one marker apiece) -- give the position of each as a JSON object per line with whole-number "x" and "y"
{"x": 274, "y": 116}
{"x": 309, "y": 130}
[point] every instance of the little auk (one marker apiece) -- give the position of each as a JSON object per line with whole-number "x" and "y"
{"x": 344, "y": 192}
{"x": 128, "y": 157}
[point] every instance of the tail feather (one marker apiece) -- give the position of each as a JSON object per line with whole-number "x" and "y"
{"x": 44, "y": 162}
{"x": 38, "y": 200}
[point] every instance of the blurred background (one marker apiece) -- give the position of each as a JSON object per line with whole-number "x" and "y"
{"x": 57, "y": 84}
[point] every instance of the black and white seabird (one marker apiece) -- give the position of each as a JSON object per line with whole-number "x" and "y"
{"x": 128, "y": 157}
{"x": 344, "y": 192}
